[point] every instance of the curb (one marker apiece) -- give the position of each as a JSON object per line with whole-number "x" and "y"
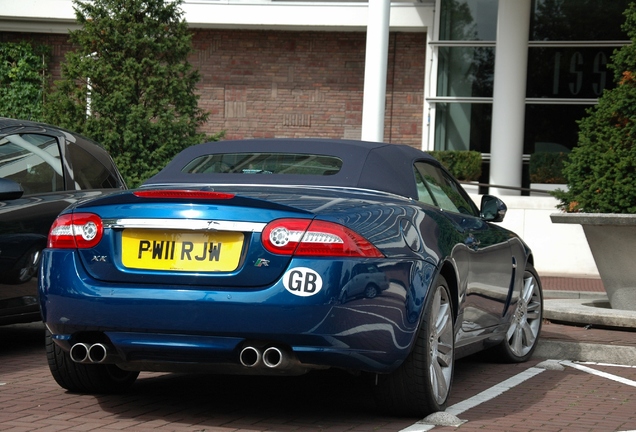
{"x": 588, "y": 311}
{"x": 585, "y": 308}
{"x": 585, "y": 352}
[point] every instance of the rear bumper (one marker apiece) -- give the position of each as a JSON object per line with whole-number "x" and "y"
{"x": 151, "y": 327}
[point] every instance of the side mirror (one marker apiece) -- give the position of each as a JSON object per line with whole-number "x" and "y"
{"x": 492, "y": 209}
{"x": 10, "y": 190}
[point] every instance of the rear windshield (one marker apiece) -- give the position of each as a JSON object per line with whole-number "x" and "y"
{"x": 265, "y": 163}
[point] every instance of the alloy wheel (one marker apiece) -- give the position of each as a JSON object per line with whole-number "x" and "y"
{"x": 441, "y": 345}
{"x": 526, "y": 322}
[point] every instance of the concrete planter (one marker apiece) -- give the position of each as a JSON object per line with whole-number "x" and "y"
{"x": 612, "y": 240}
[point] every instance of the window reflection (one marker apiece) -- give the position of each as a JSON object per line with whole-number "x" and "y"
{"x": 465, "y": 71}
{"x": 33, "y": 161}
{"x": 564, "y": 72}
{"x": 577, "y": 20}
{"x": 552, "y": 128}
{"x": 463, "y": 126}
{"x": 437, "y": 188}
{"x": 468, "y": 20}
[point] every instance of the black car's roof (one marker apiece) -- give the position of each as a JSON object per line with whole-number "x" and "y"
{"x": 10, "y": 126}
{"x": 369, "y": 165}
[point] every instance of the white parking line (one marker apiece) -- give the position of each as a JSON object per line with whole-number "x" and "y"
{"x": 494, "y": 391}
{"x": 607, "y": 364}
{"x": 497, "y": 390}
{"x": 599, "y": 373}
{"x": 480, "y": 398}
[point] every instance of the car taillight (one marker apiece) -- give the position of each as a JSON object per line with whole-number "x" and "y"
{"x": 182, "y": 194}
{"x": 304, "y": 237}
{"x": 76, "y": 230}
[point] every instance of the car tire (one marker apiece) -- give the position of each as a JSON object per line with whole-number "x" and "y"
{"x": 421, "y": 385}
{"x": 525, "y": 324}
{"x": 371, "y": 291}
{"x": 85, "y": 378}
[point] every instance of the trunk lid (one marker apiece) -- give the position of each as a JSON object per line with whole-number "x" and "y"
{"x": 172, "y": 241}
{"x": 216, "y": 242}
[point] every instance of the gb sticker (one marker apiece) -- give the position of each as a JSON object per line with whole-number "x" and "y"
{"x": 302, "y": 281}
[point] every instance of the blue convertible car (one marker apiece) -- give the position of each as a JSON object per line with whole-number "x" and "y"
{"x": 285, "y": 256}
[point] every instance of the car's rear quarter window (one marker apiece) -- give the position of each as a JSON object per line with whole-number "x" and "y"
{"x": 33, "y": 161}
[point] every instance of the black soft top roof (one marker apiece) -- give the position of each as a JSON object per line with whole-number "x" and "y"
{"x": 369, "y": 165}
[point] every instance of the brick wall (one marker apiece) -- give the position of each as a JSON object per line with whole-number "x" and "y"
{"x": 293, "y": 83}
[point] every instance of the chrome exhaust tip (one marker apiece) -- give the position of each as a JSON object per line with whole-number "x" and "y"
{"x": 97, "y": 353}
{"x": 250, "y": 356}
{"x": 79, "y": 352}
{"x": 274, "y": 357}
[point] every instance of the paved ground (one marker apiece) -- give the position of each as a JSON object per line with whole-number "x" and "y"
{"x": 488, "y": 396}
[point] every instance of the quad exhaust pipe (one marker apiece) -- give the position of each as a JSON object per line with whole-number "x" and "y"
{"x": 254, "y": 358}
{"x": 272, "y": 357}
{"x": 250, "y": 356}
{"x": 89, "y": 353}
{"x": 275, "y": 358}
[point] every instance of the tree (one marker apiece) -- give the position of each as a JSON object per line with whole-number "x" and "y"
{"x": 23, "y": 77}
{"x": 601, "y": 169}
{"x": 129, "y": 85}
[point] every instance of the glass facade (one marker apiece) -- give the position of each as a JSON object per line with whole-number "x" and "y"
{"x": 551, "y": 127}
{"x": 463, "y": 20}
{"x": 467, "y": 71}
{"x": 570, "y": 45}
{"x": 463, "y": 126}
{"x": 563, "y": 72}
{"x": 577, "y": 20}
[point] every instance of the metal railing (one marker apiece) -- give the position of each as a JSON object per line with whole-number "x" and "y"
{"x": 521, "y": 189}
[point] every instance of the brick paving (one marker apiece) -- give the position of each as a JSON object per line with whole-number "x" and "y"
{"x": 580, "y": 333}
{"x": 568, "y": 400}
{"x": 572, "y": 284}
{"x": 554, "y": 400}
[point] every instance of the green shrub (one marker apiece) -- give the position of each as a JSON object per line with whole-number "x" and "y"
{"x": 129, "y": 85}
{"x": 464, "y": 165}
{"x": 601, "y": 170}
{"x": 547, "y": 167}
{"x": 23, "y": 78}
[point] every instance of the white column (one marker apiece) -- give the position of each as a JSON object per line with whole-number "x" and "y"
{"x": 375, "y": 66}
{"x": 508, "y": 111}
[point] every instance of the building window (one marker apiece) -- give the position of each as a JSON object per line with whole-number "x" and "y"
{"x": 464, "y": 20}
{"x": 551, "y": 127}
{"x": 564, "y": 72}
{"x": 463, "y": 126}
{"x": 465, "y": 71}
{"x": 570, "y": 45}
{"x": 575, "y": 20}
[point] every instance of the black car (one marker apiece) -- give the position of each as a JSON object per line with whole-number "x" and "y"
{"x": 43, "y": 169}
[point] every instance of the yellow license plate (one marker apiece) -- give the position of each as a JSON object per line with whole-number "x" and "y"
{"x": 181, "y": 250}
